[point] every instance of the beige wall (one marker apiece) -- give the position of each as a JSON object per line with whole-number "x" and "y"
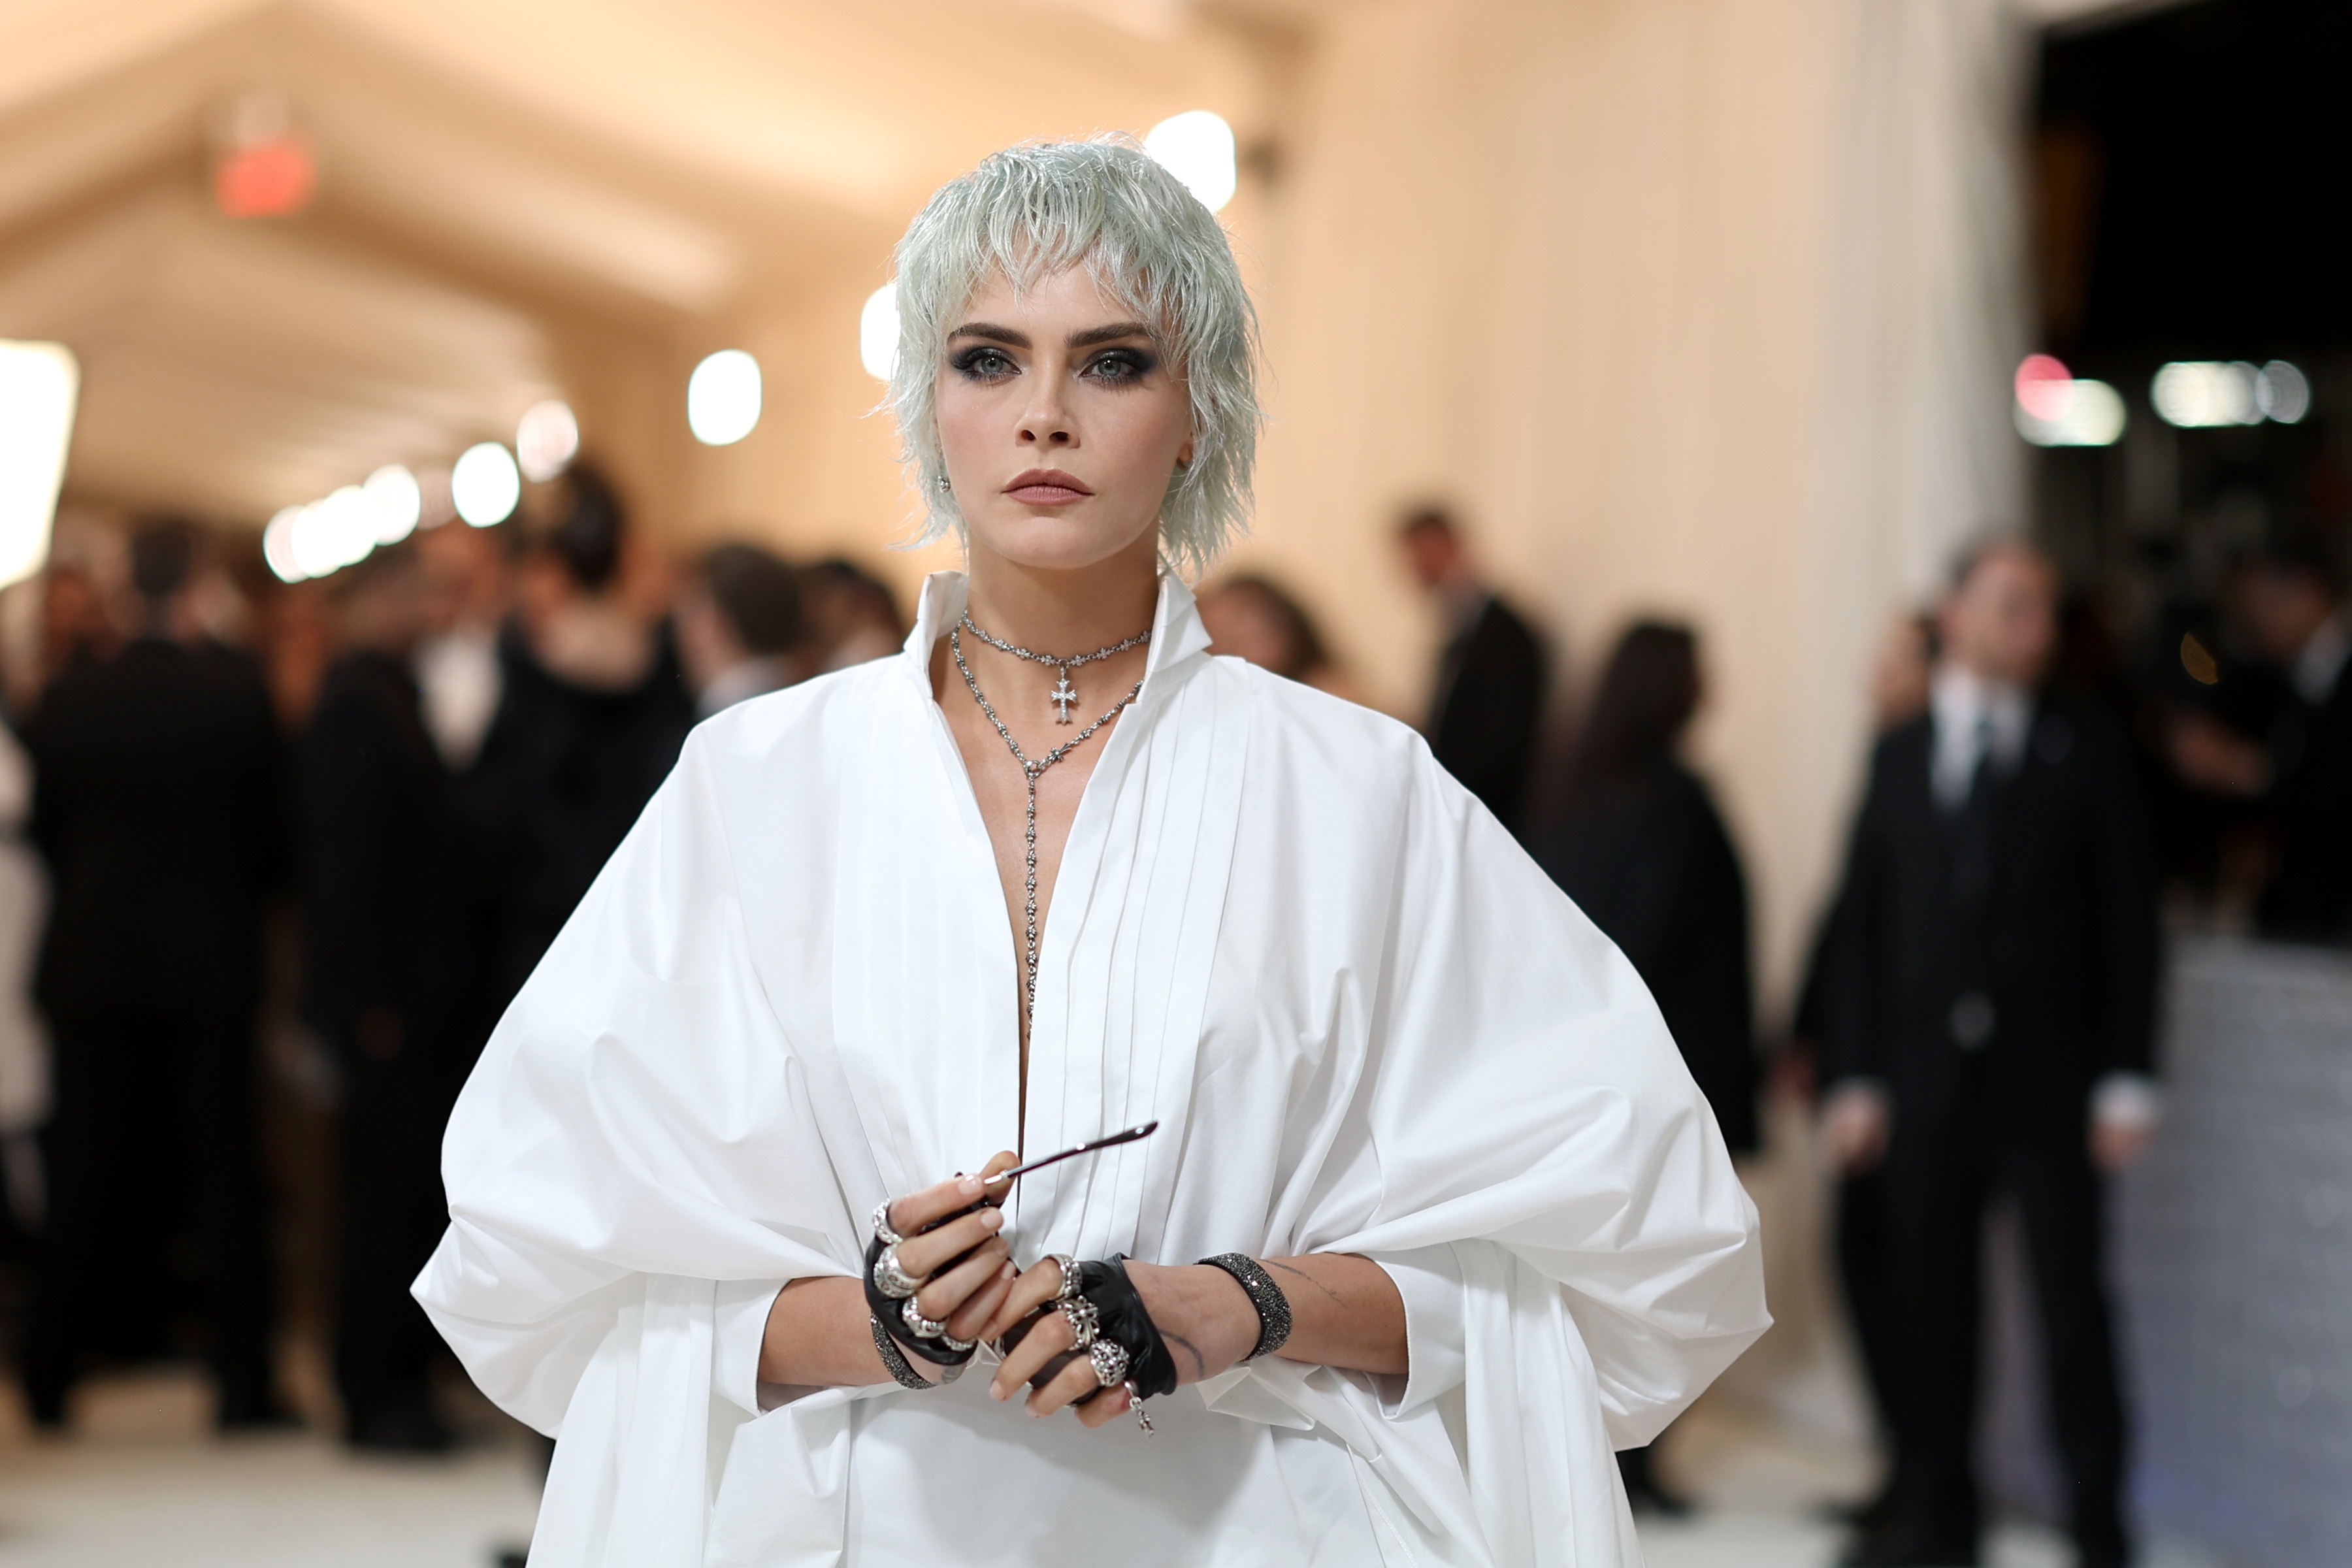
{"x": 1611, "y": 275}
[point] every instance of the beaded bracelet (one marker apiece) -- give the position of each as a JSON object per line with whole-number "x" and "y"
{"x": 1273, "y": 1306}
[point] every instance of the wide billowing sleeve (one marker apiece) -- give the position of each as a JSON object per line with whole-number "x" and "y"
{"x": 1526, "y": 1153}
{"x": 633, "y": 1167}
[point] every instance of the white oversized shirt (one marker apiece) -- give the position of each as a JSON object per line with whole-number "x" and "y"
{"x": 1366, "y": 1022}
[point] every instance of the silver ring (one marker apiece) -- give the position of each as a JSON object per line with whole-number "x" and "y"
{"x": 1084, "y": 1321}
{"x": 891, "y": 1279}
{"x": 882, "y": 1225}
{"x": 1068, "y": 1289}
{"x": 1110, "y": 1358}
{"x": 922, "y": 1328}
{"x": 957, "y": 1345}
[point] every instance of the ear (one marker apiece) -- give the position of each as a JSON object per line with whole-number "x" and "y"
{"x": 1184, "y": 456}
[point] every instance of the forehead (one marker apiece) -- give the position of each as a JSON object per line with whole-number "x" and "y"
{"x": 1070, "y": 295}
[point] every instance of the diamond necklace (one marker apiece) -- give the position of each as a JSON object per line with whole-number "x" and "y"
{"x": 1064, "y": 694}
{"x": 1031, "y": 770}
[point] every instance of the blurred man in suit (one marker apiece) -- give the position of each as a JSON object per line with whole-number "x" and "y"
{"x": 399, "y": 932}
{"x": 158, "y": 806}
{"x": 1488, "y": 702}
{"x": 1988, "y": 1032}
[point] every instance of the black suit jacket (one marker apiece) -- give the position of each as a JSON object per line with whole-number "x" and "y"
{"x": 398, "y": 877}
{"x": 1490, "y": 691}
{"x": 158, "y": 801}
{"x": 1649, "y": 861}
{"x": 2309, "y": 898}
{"x": 564, "y": 772}
{"x": 2019, "y": 931}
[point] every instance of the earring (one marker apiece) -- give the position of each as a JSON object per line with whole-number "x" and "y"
{"x": 944, "y": 485}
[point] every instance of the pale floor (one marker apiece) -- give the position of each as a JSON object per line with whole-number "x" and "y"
{"x": 142, "y": 1483}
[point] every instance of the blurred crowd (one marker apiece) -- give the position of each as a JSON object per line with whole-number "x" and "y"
{"x": 352, "y": 814}
{"x": 429, "y": 757}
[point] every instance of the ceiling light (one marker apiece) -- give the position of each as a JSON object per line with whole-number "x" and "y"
{"x": 278, "y": 546}
{"x": 546, "y": 440}
{"x": 722, "y": 400}
{"x": 877, "y": 332}
{"x": 2200, "y": 394}
{"x": 485, "y": 485}
{"x": 1197, "y": 147}
{"x": 39, "y": 383}
{"x": 2282, "y": 393}
{"x": 2056, "y": 409}
{"x": 397, "y": 500}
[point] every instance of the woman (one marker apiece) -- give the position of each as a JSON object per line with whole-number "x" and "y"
{"x": 1640, "y": 849}
{"x": 1419, "y": 1111}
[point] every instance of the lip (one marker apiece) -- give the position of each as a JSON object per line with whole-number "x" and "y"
{"x": 1047, "y": 486}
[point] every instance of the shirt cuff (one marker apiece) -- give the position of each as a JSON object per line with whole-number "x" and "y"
{"x": 2131, "y": 1101}
{"x": 1430, "y": 1280}
{"x": 736, "y": 1336}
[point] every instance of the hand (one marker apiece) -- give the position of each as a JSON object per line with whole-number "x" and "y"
{"x": 1203, "y": 1313}
{"x": 2117, "y": 1143}
{"x": 1856, "y": 1123}
{"x": 967, "y": 1296}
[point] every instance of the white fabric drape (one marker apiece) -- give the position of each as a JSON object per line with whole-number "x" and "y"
{"x": 1366, "y": 1022}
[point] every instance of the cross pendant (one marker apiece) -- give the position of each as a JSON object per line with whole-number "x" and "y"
{"x": 1061, "y": 697}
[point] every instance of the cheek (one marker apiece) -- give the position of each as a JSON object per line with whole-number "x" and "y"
{"x": 966, "y": 420}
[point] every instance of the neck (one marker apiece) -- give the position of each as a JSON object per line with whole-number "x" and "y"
{"x": 1065, "y": 611}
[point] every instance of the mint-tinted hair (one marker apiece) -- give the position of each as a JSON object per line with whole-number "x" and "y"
{"x": 1038, "y": 209}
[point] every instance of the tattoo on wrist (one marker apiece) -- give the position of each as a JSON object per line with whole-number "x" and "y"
{"x": 1200, "y": 1363}
{"x": 1337, "y": 1299}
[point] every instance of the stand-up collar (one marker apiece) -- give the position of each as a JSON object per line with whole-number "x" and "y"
{"x": 1177, "y": 633}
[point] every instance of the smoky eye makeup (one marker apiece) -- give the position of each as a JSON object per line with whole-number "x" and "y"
{"x": 1121, "y": 366}
{"x": 982, "y": 362}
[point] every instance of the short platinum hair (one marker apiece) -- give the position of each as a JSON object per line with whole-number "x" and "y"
{"x": 1104, "y": 205}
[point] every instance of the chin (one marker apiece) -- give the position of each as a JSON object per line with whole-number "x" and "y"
{"x": 1067, "y": 543}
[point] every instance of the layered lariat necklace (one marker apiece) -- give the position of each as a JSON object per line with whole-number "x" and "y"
{"x": 1033, "y": 769}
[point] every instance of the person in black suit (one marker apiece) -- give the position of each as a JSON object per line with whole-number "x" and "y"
{"x": 1640, "y": 849}
{"x": 1488, "y": 703}
{"x": 158, "y": 793}
{"x": 1988, "y": 1031}
{"x": 595, "y": 711}
{"x": 397, "y": 981}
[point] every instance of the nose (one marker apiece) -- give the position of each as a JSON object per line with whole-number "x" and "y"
{"x": 1046, "y": 421}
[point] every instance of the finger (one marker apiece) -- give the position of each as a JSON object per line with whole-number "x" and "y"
{"x": 916, "y": 1210}
{"x": 1073, "y": 1383}
{"x": 1113, "y": 1404}
{"x": 998, "y": 1163}
{"x": 1039, "y": 1284}
{"x": 1049, "y": 1338}
{"x": 935, "y": 1249}
{"x": 970, "y": 1320}
{"x": 949, "y": 1291}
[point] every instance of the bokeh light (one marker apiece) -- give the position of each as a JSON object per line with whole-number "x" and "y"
{"x": 878, "y": 332}
{"x": 39, "y": 384}
{"x": 397, "y": 501}
{"x": 485, "y": 484}
{"x": 2200, "y": 394}
{"x": 2054, "y": 408}
{"x": 722, "y": 400}
{"x": 2282, "y": 393}
{"x": 1197, "y": 147}
{"x": 546, "y": 440}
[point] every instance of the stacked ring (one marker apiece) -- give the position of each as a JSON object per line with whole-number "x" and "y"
{"x": 892, "y": 1279}
{"x": 1110, "y": 1358}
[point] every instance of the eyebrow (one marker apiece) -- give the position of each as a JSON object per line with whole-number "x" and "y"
{"x": 1014, "y": 338}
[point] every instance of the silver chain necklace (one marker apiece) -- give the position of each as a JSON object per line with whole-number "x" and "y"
{"x": 1063, "y": 694}
{"x": 1031, "y": 770}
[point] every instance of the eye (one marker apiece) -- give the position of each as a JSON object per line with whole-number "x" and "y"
{"x": 1115, "y": 367}
{"x": 984, "y": 363}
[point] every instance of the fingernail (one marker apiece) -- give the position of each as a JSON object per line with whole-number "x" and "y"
{"x": 1008, "y": 1271}
{"x": 992, "y": 1219}
{"x": 970, "y": 1186}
